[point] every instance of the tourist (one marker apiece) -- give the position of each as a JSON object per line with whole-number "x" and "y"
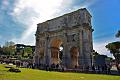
{"x": 93, "y": 68}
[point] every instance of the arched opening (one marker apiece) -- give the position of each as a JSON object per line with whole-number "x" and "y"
{"x": 56, "y": 51}
{"x": 61, "y": 53}
{"x": 74, "y": 57}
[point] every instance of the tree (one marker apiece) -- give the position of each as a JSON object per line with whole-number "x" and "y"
{"x": 9, "y": 48}
{"x": 114, "y": 48}
{"x": 1, "y": 50}
{"x": 9, "y": 43}
{"x": 118, "y": 34}
{"x": 27, "y": 51}
{"x": 95, "y": 54}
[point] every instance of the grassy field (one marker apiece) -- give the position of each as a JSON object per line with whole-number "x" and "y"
{"x": 30, "y": 74}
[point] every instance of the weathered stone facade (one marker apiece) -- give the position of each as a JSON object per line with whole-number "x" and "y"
{"x": 72, "y": 31}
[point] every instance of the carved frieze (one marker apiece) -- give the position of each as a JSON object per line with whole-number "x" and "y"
{"x": 72, "y": 38}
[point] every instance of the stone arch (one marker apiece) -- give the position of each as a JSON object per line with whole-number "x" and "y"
{"x": 67, "y": 30}
{"x": 55, "y": 50}
{"x": 74, "y": 54}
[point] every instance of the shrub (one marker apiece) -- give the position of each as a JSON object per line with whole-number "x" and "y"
{"x": 14, "y": 70}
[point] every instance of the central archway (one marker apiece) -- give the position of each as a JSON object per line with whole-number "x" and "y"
{"x": 56, "y": 53}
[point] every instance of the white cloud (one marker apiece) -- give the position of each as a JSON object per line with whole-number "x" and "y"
{"x": 37, "y": 9}
{"x": 100, "y": 46}
{"x": 32, "y": 12}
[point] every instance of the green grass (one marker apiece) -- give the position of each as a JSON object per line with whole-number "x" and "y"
{"x": 31, "y": 74}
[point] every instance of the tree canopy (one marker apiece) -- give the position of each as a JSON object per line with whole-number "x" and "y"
{"x": 8, "y": 48}
{"x": 114, "y": 48}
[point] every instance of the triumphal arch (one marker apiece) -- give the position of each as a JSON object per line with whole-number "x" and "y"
{"x": 65, "y": 40}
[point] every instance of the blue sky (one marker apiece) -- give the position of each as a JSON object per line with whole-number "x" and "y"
{"x": 18, "y": 19}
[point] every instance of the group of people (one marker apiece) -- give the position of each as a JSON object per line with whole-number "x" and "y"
{"x": 24, "y": 64}
{"x": 52, "y": 67}
{"x": 101, "y": 69}
{"x": 18, "y": 63}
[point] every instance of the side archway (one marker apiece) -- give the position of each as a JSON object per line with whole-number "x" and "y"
{"x": 74, "y": 54}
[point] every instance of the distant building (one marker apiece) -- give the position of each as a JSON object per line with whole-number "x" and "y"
{"x": 100, "y": 60}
